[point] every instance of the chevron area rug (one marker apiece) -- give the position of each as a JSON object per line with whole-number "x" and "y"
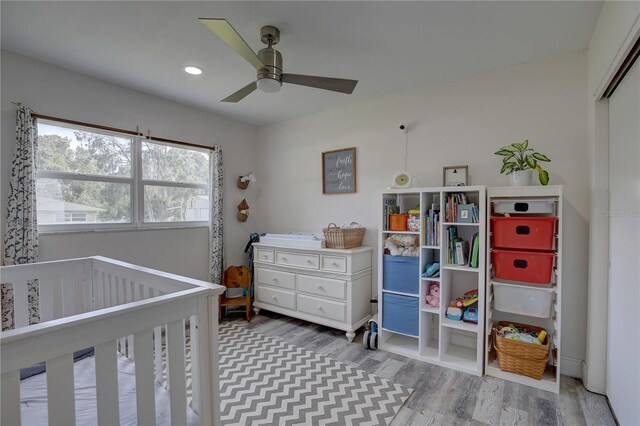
{"x": 264, "y": 381}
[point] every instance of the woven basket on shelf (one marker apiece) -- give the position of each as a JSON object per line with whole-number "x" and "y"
{"x": 527, "y": 359}
{"x": 343, "y": 238}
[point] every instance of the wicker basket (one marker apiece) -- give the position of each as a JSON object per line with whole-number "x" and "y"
{"x": 343, "y": 238}
{"x": 527, "y": 359}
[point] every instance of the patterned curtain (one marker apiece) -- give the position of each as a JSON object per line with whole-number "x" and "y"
{"x": 21, "y": 238}
{"x": 215, "y": 213}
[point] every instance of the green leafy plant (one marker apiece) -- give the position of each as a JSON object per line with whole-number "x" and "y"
{"x": 518, "y": 157}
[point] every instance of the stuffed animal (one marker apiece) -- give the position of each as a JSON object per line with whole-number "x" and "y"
{"x": 433, "y": 298}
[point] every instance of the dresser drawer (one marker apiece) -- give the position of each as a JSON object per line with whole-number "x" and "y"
{"x": 323, "y": 308}
{"x": 263, "y": 255}
{"x": 334, "y": 263}
{"x": 276, "y": 278}
{"x": 272, "y": 296}
{"x": 322, "y": 286}
{"x": 308, "y": 261}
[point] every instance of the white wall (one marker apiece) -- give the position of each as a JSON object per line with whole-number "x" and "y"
{"x": 612, "y": 38}
{"x": 457, "y": 122}
{"x": 58, "y": 92}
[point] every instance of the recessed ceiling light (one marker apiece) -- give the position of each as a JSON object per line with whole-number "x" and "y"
{"x": 193, "y": 70}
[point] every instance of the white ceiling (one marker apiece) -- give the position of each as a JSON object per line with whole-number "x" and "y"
{"x": 387, "y": 46}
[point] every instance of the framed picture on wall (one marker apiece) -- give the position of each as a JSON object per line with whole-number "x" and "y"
{"x": 455, "y": 176}
{"x": 339, "y": 171}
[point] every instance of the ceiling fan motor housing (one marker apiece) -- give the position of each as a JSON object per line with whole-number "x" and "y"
{"x": 270, "y": 78}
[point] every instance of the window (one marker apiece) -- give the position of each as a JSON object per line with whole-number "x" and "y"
{"x": 92, "y": 179}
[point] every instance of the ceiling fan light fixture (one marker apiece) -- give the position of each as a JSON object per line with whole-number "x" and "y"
{"x": 193, "y": 70}
{"x": 269, "y": 85}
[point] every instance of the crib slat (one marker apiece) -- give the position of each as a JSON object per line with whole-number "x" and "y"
{"x": 56, "y": 297}
{"x": 46, "y": 299}
{"x": 20, "y": 304}
{"x": 68, "y": 296}
{"x": 195, "y": 378}
{"x": 98, "y": 290}
{"x": 107, "y": 384}
{"x": 157, "y": 353}
{"x": 131, "y": 297}
{"x": 177, "y": 379}
{"x": 145, "y": 386}
{"x": 78, "y": 294}
{"x": 60, "y": 391}
{"x": 207, "y": 402}
{"x": 87, "y": 283}
{"x": 10, "y": 401}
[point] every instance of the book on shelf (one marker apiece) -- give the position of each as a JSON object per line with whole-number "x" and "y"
{"x": 453, "y": 239}
{"x": 462, "y": 252}
{"x": 389, "y": 207}
{"x": 432, "y": 227}
{"x": 475, "y": 251}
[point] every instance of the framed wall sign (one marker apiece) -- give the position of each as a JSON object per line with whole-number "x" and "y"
{"x": 339, "y": 171}
{"x": 455, "y": 176}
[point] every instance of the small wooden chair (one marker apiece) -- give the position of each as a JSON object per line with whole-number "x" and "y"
{"x": 236, "y": 277}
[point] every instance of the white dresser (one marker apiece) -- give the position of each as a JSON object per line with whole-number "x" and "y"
{"x": 326, "y": 286}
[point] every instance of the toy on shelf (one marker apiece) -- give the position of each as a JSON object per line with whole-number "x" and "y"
{"x": 432, "y": 270}
{"x": 433, "y": 298}
{"x": 470, "y": 315}
{"x": 464, "y": 308}
{"x": 522, "y": 334}
{"x": 468, "y": 299}
{"x": 454, "y": 313}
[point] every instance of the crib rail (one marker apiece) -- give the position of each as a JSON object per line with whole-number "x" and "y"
{"x": 124, "y": 308}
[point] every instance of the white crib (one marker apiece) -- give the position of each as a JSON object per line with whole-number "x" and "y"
{"x": 113, "y": 307}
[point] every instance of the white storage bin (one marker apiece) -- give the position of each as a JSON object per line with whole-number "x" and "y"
{"x": 523, "y": 299}
{"x": 524, "y": 207}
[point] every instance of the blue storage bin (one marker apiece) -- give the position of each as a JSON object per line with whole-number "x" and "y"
{"x": 401, "y": 273}
{"x": 400, "y": 313}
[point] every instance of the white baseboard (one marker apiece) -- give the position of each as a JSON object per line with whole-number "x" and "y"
{"x": 571, "y": 367}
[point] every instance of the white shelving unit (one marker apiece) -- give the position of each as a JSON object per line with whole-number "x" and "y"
{"x": 551, "y": 377}
{"x": 454, "y": 344}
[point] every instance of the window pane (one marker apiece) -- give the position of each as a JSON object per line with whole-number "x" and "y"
{"x": 169, "y": 204}
{"x": 83, "y": 151}
{"x": 70, "y": 202}
{"x": 171, "y": 164}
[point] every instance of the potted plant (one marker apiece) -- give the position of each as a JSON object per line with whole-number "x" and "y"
{"x": 519, "y": 161}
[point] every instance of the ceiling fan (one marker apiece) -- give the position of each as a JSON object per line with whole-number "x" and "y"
{"x": 268, "y": 62}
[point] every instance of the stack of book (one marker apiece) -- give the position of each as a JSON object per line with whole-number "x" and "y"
{"x": 432, "y": 228}
{"x": 461, "y": 209}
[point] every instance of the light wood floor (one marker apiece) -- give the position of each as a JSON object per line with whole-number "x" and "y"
{"x": 443, "y": 396}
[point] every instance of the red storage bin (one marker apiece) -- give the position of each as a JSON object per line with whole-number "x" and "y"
{"x": 532, "y": 233}
{"x": 525, "y": 266}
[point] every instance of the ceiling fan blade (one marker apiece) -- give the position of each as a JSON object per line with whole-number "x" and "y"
{"x": 223, "y": 29}
{"x": 240, "y": 94}
{"x": 335, "y": 84}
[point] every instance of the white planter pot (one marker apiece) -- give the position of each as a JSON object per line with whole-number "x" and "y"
{"x": 521, "y": 178}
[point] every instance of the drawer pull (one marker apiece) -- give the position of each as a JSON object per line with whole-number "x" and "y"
{"x": 274, "y": 297}
{"x": 284, "y": 259}
{"x": 319, "y": 308}
{"x": 275, "y": 280}
{"x": 265, "y": 256}
{"x": 520, "y": 263}
{"x": 309, "y": 261}
{"x": 320, "y": 287}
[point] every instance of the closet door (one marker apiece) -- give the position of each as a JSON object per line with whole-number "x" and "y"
{"x": 623, "y": 340}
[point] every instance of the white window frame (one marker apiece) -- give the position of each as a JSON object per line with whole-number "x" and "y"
{"x": 135, "y": 182}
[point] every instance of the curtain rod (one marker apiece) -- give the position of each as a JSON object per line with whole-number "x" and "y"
{"x": 117, "y": 130}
